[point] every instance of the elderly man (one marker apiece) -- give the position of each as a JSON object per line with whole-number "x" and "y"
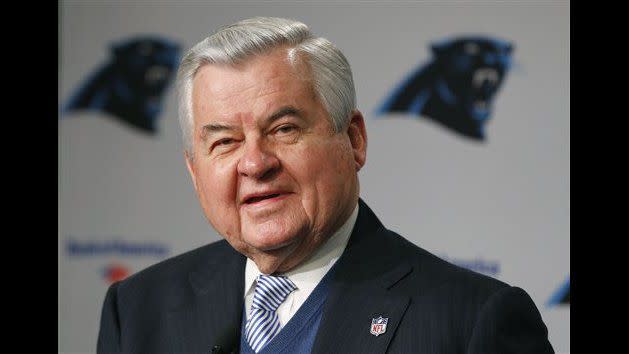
{"x": 273, "y": 143}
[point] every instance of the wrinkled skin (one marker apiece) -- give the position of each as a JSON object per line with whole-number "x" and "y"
{"x": 271, "y": 174}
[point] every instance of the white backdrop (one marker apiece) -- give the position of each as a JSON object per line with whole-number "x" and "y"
{"x": 505, "y": 202}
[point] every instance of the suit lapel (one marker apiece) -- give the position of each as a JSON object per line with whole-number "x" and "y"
{"x": 361, "y": 291}
{"x": 212, "y": 311}
{"x": 346, "y": 322}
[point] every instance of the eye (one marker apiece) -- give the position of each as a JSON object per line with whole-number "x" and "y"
{"x": 471, "y": 48}
{"x": 225, "y": 141}
{"x": 222, "y": 144}
{"x": 285, "y": 129}
{"x": 286, "y": 132}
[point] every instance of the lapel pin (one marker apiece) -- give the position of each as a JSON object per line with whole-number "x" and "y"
{"x": 378, "y": 325}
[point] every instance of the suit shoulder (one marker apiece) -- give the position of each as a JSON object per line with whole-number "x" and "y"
{"x": 440, "y": 270}
{"x": 174, "y": 270}
{"x": 141, "y": 300}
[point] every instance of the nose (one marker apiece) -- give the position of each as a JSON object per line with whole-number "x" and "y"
{"x": 258, "y": 161}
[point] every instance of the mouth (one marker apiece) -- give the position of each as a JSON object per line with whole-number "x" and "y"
{"x": 481, "y": 106}
{"x": 485, "y": 76}
{"x": 259, "y": 198}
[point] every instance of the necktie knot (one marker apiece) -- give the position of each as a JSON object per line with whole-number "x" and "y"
{"x": 271, "y": 291}
{"x": 264, "y": 323}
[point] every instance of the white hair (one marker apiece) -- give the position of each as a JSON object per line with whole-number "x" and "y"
{"x": 235, "y": 43}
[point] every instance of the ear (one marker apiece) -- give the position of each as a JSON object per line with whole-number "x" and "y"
{"x": 358, "y": 138}
{"x": 191, "y": 170}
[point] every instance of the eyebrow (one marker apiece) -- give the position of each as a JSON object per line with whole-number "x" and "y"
{"x": 284, "y": 111}
{"x": 213, "y": 128}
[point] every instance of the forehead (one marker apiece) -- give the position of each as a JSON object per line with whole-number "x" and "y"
{"x": 252, "y": 86}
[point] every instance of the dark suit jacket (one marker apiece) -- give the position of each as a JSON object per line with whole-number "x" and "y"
{"x": 185, "y": 304}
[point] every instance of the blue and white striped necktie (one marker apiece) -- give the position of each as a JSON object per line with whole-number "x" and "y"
{"x": 263, "y": 323}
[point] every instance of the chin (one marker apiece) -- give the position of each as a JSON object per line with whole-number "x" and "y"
{"x": 271, "y": 244}
{"x": 272, "y": 236}
{"x": 275, "y": 260}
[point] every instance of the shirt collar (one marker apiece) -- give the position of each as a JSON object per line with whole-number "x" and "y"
{"x": 308, "y": 274}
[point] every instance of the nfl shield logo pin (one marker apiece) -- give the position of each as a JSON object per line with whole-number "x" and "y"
{"x": 379, "y": 325}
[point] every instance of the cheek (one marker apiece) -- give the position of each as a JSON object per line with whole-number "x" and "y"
{"x": 321, "y": 170}
{"x": 217, "y": 189}
{"x": 217, "y": 192}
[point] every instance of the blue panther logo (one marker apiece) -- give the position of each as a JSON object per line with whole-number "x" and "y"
{"x": 561, "y": 296}
{"x": 458, "y": 86}
{"x": 130, "y": 86}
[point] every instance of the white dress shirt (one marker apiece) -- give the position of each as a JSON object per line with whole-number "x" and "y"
{"x": 305, "y": 276}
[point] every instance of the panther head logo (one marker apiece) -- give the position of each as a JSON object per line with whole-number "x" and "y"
{"x": 131, "y": 85}
{"x": 561, "y": 296}
{"x": 458, "y": 86}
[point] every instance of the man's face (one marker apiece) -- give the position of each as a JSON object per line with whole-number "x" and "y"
{"x": 271, "y": 174}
